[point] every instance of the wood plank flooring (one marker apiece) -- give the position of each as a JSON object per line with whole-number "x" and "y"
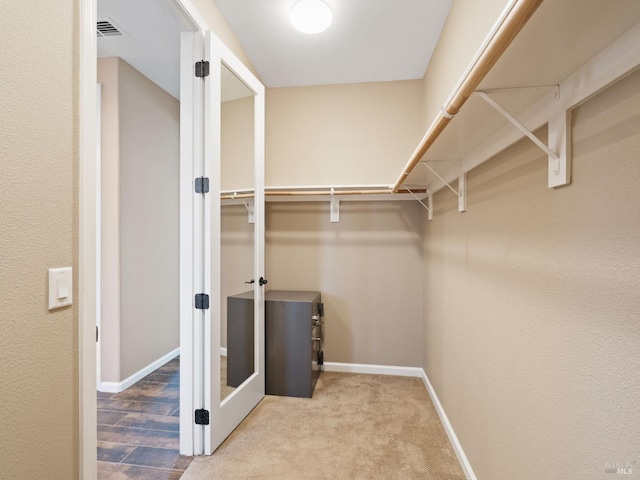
{"x": 138, "y": 429}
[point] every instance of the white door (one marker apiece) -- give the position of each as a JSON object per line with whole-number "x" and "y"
{"x": 222, "y": 132}
{"x": 233, "y": 224}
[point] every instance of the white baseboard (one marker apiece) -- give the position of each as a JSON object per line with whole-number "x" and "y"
{"x": 223, "y": 351}
{"x": 117, "y": 387}
{"x": 410, "y": 372}
{"x": 372, "y": 369}
{"x": 455, "y": 443}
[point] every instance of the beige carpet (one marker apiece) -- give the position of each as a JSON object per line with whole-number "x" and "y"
{"x": 354, "y": 427}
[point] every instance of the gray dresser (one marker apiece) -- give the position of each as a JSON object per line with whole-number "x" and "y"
{"x": 293, "y": 341}
{"x": 240, "y": 337}
{"x": 293, "y": 336}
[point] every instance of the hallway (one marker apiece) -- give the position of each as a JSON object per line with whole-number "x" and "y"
{"x": 138, "y": 429}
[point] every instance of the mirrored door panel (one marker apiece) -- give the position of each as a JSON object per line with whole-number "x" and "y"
{"x": 237, "y": 221}
{"x": 233, "y": 345}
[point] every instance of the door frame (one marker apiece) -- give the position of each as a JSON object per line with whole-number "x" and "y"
{"x": 98, "y": 196}
{"x": 88, "y": 228}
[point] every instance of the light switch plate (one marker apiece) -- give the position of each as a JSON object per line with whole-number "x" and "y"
{"x": 60, "y": 287}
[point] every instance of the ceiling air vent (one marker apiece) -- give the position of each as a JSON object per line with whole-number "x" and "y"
{"x": 107, "y": 28}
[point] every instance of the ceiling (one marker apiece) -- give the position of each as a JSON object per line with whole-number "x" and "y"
{"x": 151, "y": 38}
{"x": 368, "y": 41}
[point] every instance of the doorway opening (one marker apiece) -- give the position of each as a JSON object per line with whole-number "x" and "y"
{"x": 132, "y": 248}
{"x": 198, "y": 124}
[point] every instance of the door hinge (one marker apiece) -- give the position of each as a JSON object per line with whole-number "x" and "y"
{"x": 202, "y": 185}
{"x": 202, "y": 69}
{"x": 202, "y": 301}
{"x": 97, "y": 333}
{"x": 202, "y": 417}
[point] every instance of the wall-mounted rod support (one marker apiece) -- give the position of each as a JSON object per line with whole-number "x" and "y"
{"x": 430, "y": 205}
{"x": 441, "y": 179}
{"x": 518, "y": 125}
{"x": 334, "y": 217}
{"x": 250, "y": 206}
{"x": 420, "y": 201}
{"x": 462, "y": 187}
{"x": 446, "y": 114}
{"x": 560, "y": 140}
{"x": 461, "y": 193}
{"x": 334, "y": 214}
{"x": 513, "y": 18}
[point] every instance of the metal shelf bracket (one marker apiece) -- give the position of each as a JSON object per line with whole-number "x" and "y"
{"x": 461, "y": 193}
{"x": 559, "y": 139}
{"x": 250, "y": 206}
{"x": 334, "y": 215}
{"x": 428, "y": 206}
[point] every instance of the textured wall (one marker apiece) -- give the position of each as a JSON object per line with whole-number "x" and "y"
{"x": 38, "y": 231}
{"x": 368, "y": 268}
{"x": 467, "y": 25}
{"x": 140, "y": 244}
{"x": 149, "y": 221}
{"x": 341, "y": 134}
{"x": 532, "y": 300}
{"x": 237, "y": 149}
{"x": 108, "y": 76}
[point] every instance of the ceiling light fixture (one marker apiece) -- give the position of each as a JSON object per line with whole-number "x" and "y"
{"x": 311, "y": 16}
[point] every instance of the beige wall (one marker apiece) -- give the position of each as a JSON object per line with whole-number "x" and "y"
{"x": 149, "y": 221}
{"x": 38, "y": 231}
{"x": 341, "y": 134}
{"x": 368, "y": 268}
{"x": 237, "y": 149}
{"x": 140, "y": 317}
{"x": 468, "y": 24}
{"x": 108, "y": 76}
{"x": 532, "y": 297}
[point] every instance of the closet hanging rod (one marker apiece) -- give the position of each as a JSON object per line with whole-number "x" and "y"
{"x": 513, "y": 18}
{"x": 234, "y": 196}
{"x": 328, "y": 187}
{"x": 285, "y": 193}
{"x": 226, "y": 195}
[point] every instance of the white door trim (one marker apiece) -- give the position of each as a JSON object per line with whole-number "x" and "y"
{"x": 98, "y": 194}
{"x": 190, "y": 215}
{"x": 87, "y": 255}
